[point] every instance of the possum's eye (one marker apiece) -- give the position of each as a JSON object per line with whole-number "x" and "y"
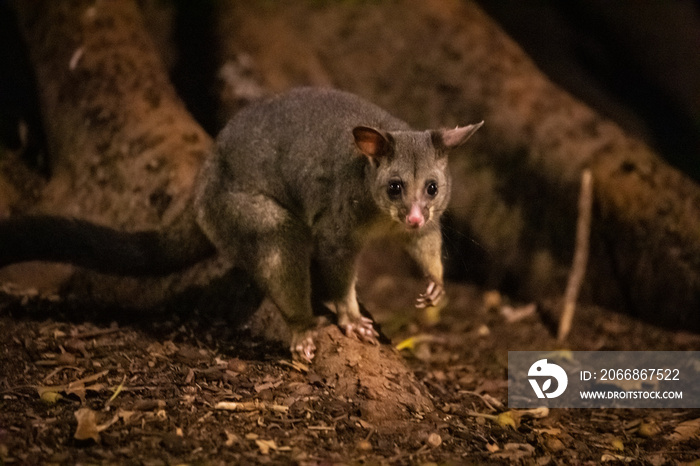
{"x": 431, "y": 188}
{"x": 394, "y": 189}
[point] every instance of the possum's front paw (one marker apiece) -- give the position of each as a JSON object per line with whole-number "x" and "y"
{"x": 432, "y": 296}
{"x": 361, "y": 328}
{"x": 303, "y": 347}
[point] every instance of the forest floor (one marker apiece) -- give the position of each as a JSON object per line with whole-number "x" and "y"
{"x": 189, "y": 389}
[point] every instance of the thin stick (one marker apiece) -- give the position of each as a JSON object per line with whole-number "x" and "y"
{"x": 578, "y": 268}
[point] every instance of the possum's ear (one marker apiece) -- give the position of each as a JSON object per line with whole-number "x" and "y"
{"x": 446, "y": 139}
{"x": 372, "y": 142}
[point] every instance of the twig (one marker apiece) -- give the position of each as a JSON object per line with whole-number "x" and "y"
{"x": 486, "y": 400}
{"x": 578, "y": 268}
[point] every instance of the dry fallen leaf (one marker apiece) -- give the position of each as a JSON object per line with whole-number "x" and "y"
{"x": 237, "y": 365}
{"x": 411, "y": 343}
{"x": 266, "y": 445}
{"x": 513, "y": 315}
{"x": 125, "y": 415}
{"x": 162, "y": 350}
{"x": 648, "y": 428}
{"x": 231, "y": 438}
{"x": 617, "y": 444}
{"x": 491, "y": 401}
{"x": 685, "y": 431}
{"x": 77, "y": 387}
{"x": 535, "y": 413}
{"x": 508, "y": 419}
{"x": 87, "y": 425}
{"x": 607, "y": 458}
{"x": 266, "y": 386}
{"x": 365, "y": 425}
{"x": 50, "y": 397}
{"x": 554, "y": 431}
{"x": 514, "y": 452}
{"x": 553, "y": 444}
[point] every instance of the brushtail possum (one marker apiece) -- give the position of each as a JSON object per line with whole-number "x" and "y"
{"x": 292, "y": 190}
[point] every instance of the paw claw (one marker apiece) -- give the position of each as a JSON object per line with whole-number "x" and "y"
{"x": 432, "y": 296}
{"x": 303, "y": 348}
{"x": 362, "y": 330}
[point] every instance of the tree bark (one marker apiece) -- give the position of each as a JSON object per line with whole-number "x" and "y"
{"x": 124, "y": 150}
{"x": 440, "y": 62}
{"x": 124, "y": 153}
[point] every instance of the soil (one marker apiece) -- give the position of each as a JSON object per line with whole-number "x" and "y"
{"x": 183, "y": 387}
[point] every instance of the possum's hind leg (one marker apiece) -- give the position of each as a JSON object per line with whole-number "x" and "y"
{"x": 334, "y": 285}
{"x": 261, "y": 236}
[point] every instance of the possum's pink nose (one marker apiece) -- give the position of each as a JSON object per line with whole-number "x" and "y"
{"x": 415, "y": 218}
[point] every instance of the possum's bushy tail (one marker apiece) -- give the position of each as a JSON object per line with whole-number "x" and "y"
{"x": 140, "y": 253}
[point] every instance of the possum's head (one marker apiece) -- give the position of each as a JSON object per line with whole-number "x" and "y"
{"x": 410, "y": 180}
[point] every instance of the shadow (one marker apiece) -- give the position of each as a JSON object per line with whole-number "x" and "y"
{"x": 194, "y": 73}
{"x": 218, "y": 314}
{"x": 230, "y": 313}
{"x": 19, "y": 104}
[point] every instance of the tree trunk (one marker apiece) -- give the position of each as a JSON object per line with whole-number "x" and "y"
{"x": 124, "y": 150}
{"x": 515, "y": 193}
{"x": 124, "y": 153}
